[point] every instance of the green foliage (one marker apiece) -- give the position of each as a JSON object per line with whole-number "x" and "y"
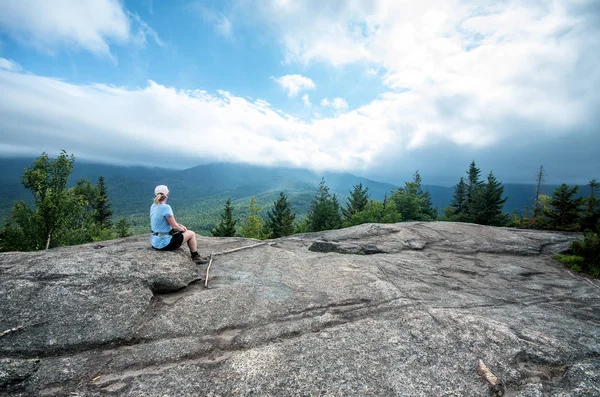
{"x": 324, "y": 211}
{"x": 591, "y": 214}
{"x": 574, "y": 262}
{"x": 412, "y": 203}
{"x": 357, "y": 201}
{"x": 47, "y": 180}
{"x": 122, "y": 229}
{"x": 564, "y": 209}
{"x": 479, "y": 202}
{"x": 102, "y": 211}
{"x": 280, "y": 219}
{"x": 487, "y": 204}
{"x": 226, "y": 228}
{"x": 589, "y": 249}
{"x": 472, "y": 186}
{"x": 253, "y": 226}
{"x": 20, "y": 232}
{"x": 375, "y": 212}
{"x": 458, "y": 205}
{"x": 61, "y": 216}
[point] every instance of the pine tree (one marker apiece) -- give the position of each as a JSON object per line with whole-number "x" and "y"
{"x": 357, "y": 201}
{"x": 324, "y": 211}
{"x": 591, "y": 215}
{"x": 280, "y": 219}
{"x": 564, "y": 211}
{"x": 226, "y": 228}
{"x": 412, "y": 203}
{"x": 472, "y": 187}
{"x": 429, "y": 212}
{"x": 458, "y": 205}
{"x": 488, "y": 203}
{"x": 102, "y": 211}
{"x": 254, "y": 224}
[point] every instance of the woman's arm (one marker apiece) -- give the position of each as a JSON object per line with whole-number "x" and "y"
{"x": 174, "y": 225}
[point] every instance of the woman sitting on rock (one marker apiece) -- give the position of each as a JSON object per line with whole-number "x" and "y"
{"x": 167, "y": 234}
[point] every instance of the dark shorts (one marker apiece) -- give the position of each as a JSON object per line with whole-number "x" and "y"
{"x": 175, "y": 243}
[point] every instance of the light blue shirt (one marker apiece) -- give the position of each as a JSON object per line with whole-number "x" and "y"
{"x": 158, "y": 222}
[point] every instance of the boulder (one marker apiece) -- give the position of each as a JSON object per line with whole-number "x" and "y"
{"x": 402, "y": 309}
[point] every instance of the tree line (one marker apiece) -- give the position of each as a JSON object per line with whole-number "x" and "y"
{"x": 82, "y": 213}
{"x": 61, "y": 215}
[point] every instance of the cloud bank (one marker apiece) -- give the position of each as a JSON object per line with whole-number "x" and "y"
{"x": 511, "y": 84}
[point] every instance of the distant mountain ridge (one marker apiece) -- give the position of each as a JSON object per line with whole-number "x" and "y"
{"x": 198, "y": 194}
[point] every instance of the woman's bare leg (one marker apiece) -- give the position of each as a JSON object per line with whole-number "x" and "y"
{"x": 190, "y": 237}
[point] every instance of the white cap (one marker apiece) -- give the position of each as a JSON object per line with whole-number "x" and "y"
{"x": 161, "y": 189}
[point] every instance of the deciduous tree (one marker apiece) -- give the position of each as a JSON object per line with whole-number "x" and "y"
{"x": 253, "y": 225}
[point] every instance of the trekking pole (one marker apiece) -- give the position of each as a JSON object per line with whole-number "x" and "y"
{"x": 212, "y": 254}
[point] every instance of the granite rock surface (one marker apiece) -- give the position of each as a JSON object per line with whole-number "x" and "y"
{"x": 405, "y": 309}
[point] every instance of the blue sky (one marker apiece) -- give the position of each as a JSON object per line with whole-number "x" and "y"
{"x": 378, "y": 88}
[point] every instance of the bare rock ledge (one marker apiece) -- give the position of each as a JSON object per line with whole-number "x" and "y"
{"x": 406, "y": 309}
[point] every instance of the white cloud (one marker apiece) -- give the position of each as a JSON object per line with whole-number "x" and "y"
{"x": 336, "y": 103}
{"x": 88, "y": 25}
{"x": 306, "y": 100}
{"x": 466, "y": 77}
{"x": 459, "y": 70}
{"x": 8, "y": 64}
{"x": 46, "y": 113}
{"x": 294, "y": 83}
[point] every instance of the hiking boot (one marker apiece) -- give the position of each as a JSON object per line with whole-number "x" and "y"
{"x": 199, "y": 260}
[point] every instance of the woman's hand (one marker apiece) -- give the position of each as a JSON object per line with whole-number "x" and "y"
{"x": 183, "y": 228}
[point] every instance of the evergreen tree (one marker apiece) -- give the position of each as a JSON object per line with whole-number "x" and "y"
{"x": 427, "y": 209}
{"x": 591, "y": 215}
{"x": 459, "y": 200}
{"x": 122, "y": 228}
{"x": 254, "y": 224}
{"x": 102, "y": 211}
{"x": 324, "y": 213}
{"x": 564, "y": 211}
{"x": 280, "y": 219}
{"x": 472, "y": 187}
{"x": 488, "y": 203}
{"x": 412, "y": 203}
{"x": 357, "y": 201}
{"x": 226, "y": 228}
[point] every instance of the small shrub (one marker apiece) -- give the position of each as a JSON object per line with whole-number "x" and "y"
{"x": 586, "y": 254}
{"x": 573, "y": 262}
